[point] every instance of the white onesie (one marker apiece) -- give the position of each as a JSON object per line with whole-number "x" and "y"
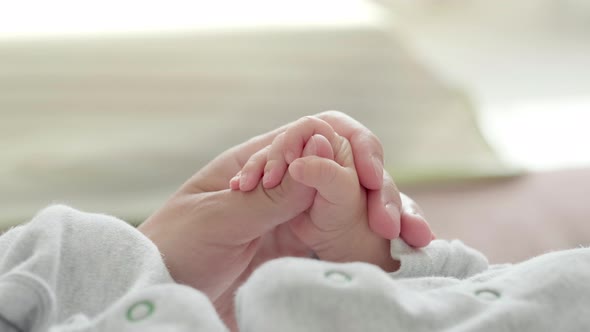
{"x": 72, "y": 271}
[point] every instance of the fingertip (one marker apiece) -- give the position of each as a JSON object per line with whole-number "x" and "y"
{"x": 384, "y": 220}
{"x": 246, "y": 182}
{"x": 415, "y": 230}
{"x": 310, "y": 148}
{"x": 234, "y": 183}
{"x": 318, "y": 145}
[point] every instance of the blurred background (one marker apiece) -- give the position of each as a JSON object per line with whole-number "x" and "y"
{"x": 482, "y": 106}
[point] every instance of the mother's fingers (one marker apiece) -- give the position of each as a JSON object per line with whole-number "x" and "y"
{"x": 301, "y": 131}
{"x": 366, "y": 147}
{"x": 415, "y": 230}
{"x": 367, "y": 150}
{"x": 391, "y": 216}
{"x": 384, "y": 209}
{"x": 217, "y": 174}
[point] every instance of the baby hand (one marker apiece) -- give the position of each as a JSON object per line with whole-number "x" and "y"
{"x": 336, "y": 226}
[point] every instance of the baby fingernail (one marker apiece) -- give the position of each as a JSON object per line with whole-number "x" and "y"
{"x": 232, "y": 182}
{"x": 311, "y": 147}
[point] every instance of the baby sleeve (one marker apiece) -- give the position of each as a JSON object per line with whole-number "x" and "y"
{"x": 68, "y": 270}
{"x": 441, "y": 259}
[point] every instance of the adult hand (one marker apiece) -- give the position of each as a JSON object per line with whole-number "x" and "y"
{"x": 212, "y": 238}
{"x": 389, "y": 215}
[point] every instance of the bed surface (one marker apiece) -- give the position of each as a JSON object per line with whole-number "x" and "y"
{"x": 515, "y": 218}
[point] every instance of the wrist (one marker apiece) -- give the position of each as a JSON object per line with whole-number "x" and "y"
{"x": 373, "y": 250}
{"x": 382, "y": 257}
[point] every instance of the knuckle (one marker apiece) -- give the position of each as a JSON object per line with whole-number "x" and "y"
{"x": 279, "y": 139}
{"x": 263, "y": 154}
{"x": 256, "y": 140}
{"x": 257, "y": 159}
{"x": 303, "y": 121}
{"x": 310, "y": 121}
{"x": 302, "y": 125}
{"x": 343, "y": 152}
{"x": 333, "y": 114}
{"x": 308, "y": 118}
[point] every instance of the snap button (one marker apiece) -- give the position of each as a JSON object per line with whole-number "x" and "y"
{"x": 140, "y": 310}
{"x": 487, "y": 294}
{"x": 338, "y": 276}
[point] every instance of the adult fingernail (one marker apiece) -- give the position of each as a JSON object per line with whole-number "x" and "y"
{"x": 394, "y": 214}
{"x": 377, "y": 167}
